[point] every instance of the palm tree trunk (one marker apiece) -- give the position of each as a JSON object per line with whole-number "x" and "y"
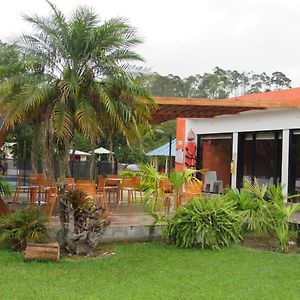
{"x": 34, "y": 145}
{"x": 110, "y": 145}
{"x": 92, "y": 165}
{"x": 3, "y": 134}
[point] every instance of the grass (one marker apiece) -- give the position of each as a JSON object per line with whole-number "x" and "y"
{"x": 154, "y": 271}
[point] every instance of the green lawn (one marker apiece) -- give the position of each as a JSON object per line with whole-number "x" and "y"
{"x": 155, "y": 271}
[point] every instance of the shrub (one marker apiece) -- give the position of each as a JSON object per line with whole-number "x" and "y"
{"x": 22, "y": 227}
{"x": 206, "y": 222}
{"x": 264, "y": 210}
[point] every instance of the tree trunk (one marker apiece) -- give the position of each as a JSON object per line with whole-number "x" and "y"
{"x": 110, "y": 155}
{"x": 92, "y": 165}
{"x": 3, "y": 134}
{"x": 83, "y": 231}
{"x": 34, "y": 145}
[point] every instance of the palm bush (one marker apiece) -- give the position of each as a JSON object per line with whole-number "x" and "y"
{"x": 264, "y": 210}
{"x": 22, "y": 227}
{"x": 205, "y": 222}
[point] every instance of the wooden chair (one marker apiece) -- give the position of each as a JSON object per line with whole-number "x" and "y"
{"x": 128, "y": 184}
{"x": 101, "y": 190}
{"x": 192, "y": 190}
{"x": 69, "y": 183}
{"x": 138, "y": 188}
{"x": 112, "y": 189}
{"x": 88, "y": 187}
{"x": 112, "y": 176}
{"x": 40, "y": 190}
{"x": 167, "y": 193}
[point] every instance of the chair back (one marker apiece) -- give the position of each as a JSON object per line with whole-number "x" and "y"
{"x": 88, "y": 189}
{"x": 128, "y": 182}
{"x": 44, "y": 182}
{"x": 112, "y": 176}
{"x": 165, "y": 185}
{"x": 193, "y": 189}
{"x": 101, "y": 183}
{"x": 209, "y": 179}
{"x": 32, "y": 177}
{"x": 85, "y": 182}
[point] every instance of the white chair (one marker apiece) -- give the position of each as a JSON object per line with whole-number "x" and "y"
{"x": 211, "y": 184}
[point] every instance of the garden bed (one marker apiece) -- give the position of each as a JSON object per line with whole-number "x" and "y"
{"x": 267, "y": 243}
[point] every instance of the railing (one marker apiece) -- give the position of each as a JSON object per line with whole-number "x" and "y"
{"x": 76, "y": 169}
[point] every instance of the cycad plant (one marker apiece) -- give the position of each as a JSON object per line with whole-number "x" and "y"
{"x": 22, "y": 227}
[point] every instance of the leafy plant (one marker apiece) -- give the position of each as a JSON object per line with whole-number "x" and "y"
{"x": 5, "y": 188}
{"x": 21, "y": 227}
{"x": 178, "y": 179}
{"x": 264, "y": 209}
{"x": 206, "y": 222}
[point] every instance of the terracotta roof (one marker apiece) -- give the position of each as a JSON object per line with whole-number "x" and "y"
{"x": 171, "y": 107}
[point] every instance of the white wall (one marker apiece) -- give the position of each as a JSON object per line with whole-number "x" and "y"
{"x": 276, "y": 119}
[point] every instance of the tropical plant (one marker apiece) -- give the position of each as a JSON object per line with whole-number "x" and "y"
{"x": 205, "y": 222}
{"x": 5, "y": 188}
{"x": 83, "y": 223}
{"x": 22, "y": 227}
{"x": 178, "y": 179}
{"x": 150, "y": 179}
{"x": 264, "y": 209}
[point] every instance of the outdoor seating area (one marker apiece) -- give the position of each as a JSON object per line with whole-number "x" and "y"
{"x": 107, "y": 192}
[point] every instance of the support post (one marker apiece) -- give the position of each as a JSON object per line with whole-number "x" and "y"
{"x": 285, "y": 160}
{"x": 170, "y": 155}
{"x": 234, "y": 159}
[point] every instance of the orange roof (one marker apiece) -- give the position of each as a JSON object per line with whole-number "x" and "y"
{"x": 171, "y": 107}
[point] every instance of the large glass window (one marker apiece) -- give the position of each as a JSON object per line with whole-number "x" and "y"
{"x": 260, "y": 157}
{"x": 215, "y": 155}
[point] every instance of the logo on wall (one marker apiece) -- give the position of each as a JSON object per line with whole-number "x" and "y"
{"x": 190, "y": 150}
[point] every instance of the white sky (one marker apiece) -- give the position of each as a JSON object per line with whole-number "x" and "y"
{"x": 190, "y": 37}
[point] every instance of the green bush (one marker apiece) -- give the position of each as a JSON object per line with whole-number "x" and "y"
{"x": 22, "y": 227}
{"x": 264, "y": 210}
{"x": 205, "y": 222}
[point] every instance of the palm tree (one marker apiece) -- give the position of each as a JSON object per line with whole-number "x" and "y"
{"x": 86, "y": 76}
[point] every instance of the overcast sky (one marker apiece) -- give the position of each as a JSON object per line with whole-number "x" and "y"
{"x": 190, "y": 37}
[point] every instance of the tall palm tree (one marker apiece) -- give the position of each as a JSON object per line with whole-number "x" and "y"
{"x": 86, "y": 73}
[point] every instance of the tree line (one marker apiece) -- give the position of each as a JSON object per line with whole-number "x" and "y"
{"x": 216, "y": 85}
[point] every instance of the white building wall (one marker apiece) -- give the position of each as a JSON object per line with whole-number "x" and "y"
{"x": 277, "y": 119}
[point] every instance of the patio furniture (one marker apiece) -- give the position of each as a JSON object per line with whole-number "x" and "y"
{"x": 113, "y": 187}
{"x": 128, "y": 184}
{"x": 167, "y": 193}
{"x": 211, "y": 184}
{"x": 40, "y": 191}
{"x": 137, "y": 187}
{"x": 107, "y": 188}
{"x": 192, "y": 190}
{"x": 69, "y": 183}
{"x": 88, "y": 187}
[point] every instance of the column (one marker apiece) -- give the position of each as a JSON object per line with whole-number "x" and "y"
{"x": 234, "y": 159}
{"x": 285, "y": 160}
